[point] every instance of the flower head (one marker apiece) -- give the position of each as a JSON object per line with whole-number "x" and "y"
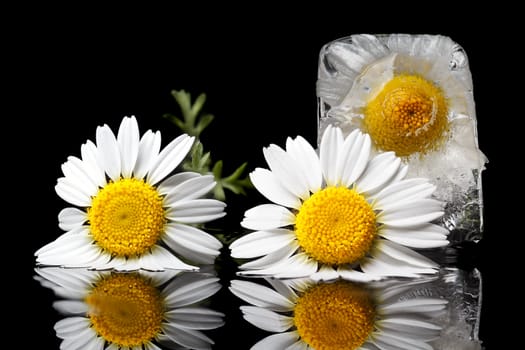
{"x": 133, "y": 310}
{"x": 127, "y": 208}
{"x": 412, "y": 94}
{"x": 338, "y": 212}
{"x": 339, "y": 315}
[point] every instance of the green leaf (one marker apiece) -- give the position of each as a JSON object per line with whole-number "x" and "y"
{"x": 193, "y": 123}
{"x": 204, "y": 121}
{"x": 197, "y": 105}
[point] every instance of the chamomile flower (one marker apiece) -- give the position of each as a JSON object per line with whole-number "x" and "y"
{"x": 132, "y": 310}
{"x": 339, "y": 315}
{"x": 338, "y": 214}
{"x": 411, "y": 93}
{"x": 127, "y": 209}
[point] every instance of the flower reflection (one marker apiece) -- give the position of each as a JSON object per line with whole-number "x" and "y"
{"x": 139, "y": 310}
{"x": 342, "y": 315}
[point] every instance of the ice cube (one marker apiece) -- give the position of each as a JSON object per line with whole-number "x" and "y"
{"x": 360, "y": 71}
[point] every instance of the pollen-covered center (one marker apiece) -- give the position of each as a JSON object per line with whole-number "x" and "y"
{"x": 126, "y": 217}
{"x": 125, "y": 309}
{"x": 409, "y": 115}
{"x": 336, "y": 226}
{"x": 335, "y": 316}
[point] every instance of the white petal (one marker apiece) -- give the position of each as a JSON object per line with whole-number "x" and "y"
{"x": 112, "y": 346}
{"x": 190, "y": 189}
{"x": 285, "y": 287}
{"x": 92, "y": 163}
{"x": 149, "y": 148}
{"x": 353, "y": 157}
{"x": 79, "y": 340}
{"x": 163, "y": 258}
{"x": 286, "y": 170}
{"x": 71, "y": 193}
{"x": 175, "y": 180}
{"x": 400, "y": 175}
{"x": 386, "y": 266}
{"x": 65, "y": 243}
{"x": 426, "y": 236}
{"x": 331, "y": 144}
{"x": 308, "y": 161}
{"x": 266, "y": 319}
{"x": 71, "y": 307}
{"x": 70, "y": 218}
{"x": 74, "y": 171}
{"x": 73, "y": 279}
{"x": 190, "y": 288}
{"x": 260, "y": 295}
{"x": 385, "y": 341}
{"x": 298, "y": 345}
{"x": 299, "y": 265}
{"x": 401, "y": 253}
{"x": 271, "y": 259}
{"x": 108, "y": 151}
{"x": 404, "y": 323}
{"x": 70, "y": 326}
{"x": 277, "y": 341}
{"x": 261, "y": 243}
{"x": 269, "y": 186}
{"x": 151, "y": 346}
{"x": 196, "y": 211}
{"x": 128, "y": 139}
{"x": 158, "y": 278}
{"x": 201, "y": 246}
{"x": 267, "y": 217}
{"x": 378, "y": 172}
{"x": 325, "y": 273}
{"x": 412, "y": 214}
{"x": 403, "y": 192}
{"x": 195, "y": 318}
{"x": 188, "y": 338}
{"x": 356, "y": 276}
{"x": 71, "y": 250}
{"x": 170, "y": 157}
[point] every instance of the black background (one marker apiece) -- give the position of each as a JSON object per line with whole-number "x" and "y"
{"x": 73, "y": 73}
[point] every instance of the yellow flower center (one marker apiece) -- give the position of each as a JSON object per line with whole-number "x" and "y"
{"x": 335, "y": 316}
{"x": 125, "y": 309}
{"x": 126, "y": 217}
{"x": 409, "y": 115}
{"x": 336, "y": 226}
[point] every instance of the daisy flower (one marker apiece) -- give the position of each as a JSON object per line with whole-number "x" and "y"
{"x": 127, "y": 210}
{"x": 337, "y": 212}
{"x": 340, "y": 315}
{"x": 132, "y": 310}
{"x": 412, "y": 94}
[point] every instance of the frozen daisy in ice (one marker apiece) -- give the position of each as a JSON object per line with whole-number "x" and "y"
{"x": 339, "y": 315}
{"x": 126, "y": 208}
{"x": 338, "y": 212}
{"x": 132, "y": 310}
{"x": 411, "y": 93}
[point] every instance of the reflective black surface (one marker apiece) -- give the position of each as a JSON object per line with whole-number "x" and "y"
{"x": 261, "y": 88}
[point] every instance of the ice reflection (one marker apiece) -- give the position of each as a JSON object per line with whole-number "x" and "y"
{"x": 136, "y": 310}
{"x": 440, "y": 313}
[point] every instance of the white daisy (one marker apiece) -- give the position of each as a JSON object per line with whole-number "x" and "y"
{"x": 338, "y": 211}
{"x": 126, "y": 210}
{"x": 411, "y": 93}
{"x": 340, "y": 315}
{"x": 132, "y": 310}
